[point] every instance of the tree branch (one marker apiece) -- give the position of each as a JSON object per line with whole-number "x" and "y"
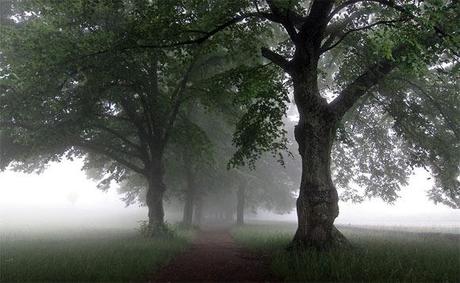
{"x": 275, "y": 58}
{"x": 143, "y": 136}
{"x": 388, "y": 3}
{"x": 104, "y": 151}
{"x": 284, "y": 17}
{"x": 327, "y": 47}
{"x": 450, "y": 122}
{"x": 391, "y": 4}
{"x": 176, "y": 102}
{"x": 118, "y": 135}
{"x": 319, "y": 11}
{"x": 359, "y": 87}
{"x": 207, "y": 35}
{"x": 197, "y": 40}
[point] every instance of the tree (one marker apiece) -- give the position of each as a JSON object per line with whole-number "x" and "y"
{"x": 70, "y": 90}
{"x": 369, "y": 44}
{"x": 342, "y": 58}
{"x": 77, "y": 81}
{"x": 399, "y": 44}
{"x": 264, "y": 184}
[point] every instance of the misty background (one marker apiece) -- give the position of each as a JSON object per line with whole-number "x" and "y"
{"x": 63, "y": 197}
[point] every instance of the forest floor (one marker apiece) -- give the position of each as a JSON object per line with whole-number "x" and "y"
{"x": 215, "y": 257}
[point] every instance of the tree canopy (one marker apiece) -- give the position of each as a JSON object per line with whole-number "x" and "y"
{"x": 375, "y": 83}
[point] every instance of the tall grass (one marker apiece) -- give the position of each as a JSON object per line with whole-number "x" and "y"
{"x": 378, "y": 255}
{"x": 99, "y": 255}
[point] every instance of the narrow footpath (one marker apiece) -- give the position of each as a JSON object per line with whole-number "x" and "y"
{"x": 215, "y": 257}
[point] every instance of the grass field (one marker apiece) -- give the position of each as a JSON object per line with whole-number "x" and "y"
{"x": 378, "y": 255}
{"x": 95, "y": 255}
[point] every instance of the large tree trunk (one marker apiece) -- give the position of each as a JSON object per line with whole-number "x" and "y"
{"x": 154, "y": 200}
{"x": 317, "y": 204}
{"x": 240, "y": 195}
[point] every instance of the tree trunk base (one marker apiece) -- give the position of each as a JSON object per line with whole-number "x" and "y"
{"x": 336, "y": 241}
{"x": 155, "y": 230}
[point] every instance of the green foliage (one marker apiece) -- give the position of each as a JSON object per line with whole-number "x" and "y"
{"x": 411, "y": 118}
{"x": 77, "y": 81}
{"x": 70, "y": 70}
{"x": 373, "y": 150}
{"x": 260, "y": 129}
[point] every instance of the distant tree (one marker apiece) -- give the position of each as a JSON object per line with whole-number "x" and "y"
{"x": 264, "y": 184}
{"x": 197, "y": 173}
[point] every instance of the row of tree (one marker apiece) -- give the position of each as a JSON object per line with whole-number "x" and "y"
{"x": 128, "y": 85}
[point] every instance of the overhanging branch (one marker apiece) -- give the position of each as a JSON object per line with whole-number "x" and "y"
{"x": 388, "y": 3}
{"x": 326, "y": 47}
{"x": 105, "y": 151}
{"x": 359, "y": 87}
{"x": 118, "y": 135}
{"x": 449, "y": 120}
{"x": 275, "y": 58}
{"x": 176, "y": 102}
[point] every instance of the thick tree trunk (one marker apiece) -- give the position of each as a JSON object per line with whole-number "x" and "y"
{"x": 154, "y": 200}
{"x": 317, "y": 204}
{"x": 240, "y": 195}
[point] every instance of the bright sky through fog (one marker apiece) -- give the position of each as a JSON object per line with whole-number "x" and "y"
{"x": 62, "y": 195}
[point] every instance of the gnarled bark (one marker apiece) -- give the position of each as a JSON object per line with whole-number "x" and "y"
{"x": 317, "y": 204}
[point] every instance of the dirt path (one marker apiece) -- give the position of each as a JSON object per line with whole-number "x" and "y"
{"x": 214, "y": 256}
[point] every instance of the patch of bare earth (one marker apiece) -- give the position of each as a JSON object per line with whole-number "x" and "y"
{"x": 215, "y": 257}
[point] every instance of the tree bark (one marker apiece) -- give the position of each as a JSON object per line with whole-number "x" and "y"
{"x": 317, "y": 204}
{"x": 154, "y": 200}
{"x": 240, "y": 204}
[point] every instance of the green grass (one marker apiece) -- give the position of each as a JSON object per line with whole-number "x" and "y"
{"x": 98, "y": 255}
{"x": 378, "y": 255}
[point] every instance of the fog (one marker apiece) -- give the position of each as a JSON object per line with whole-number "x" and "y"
{"x": 62, "y": 197}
